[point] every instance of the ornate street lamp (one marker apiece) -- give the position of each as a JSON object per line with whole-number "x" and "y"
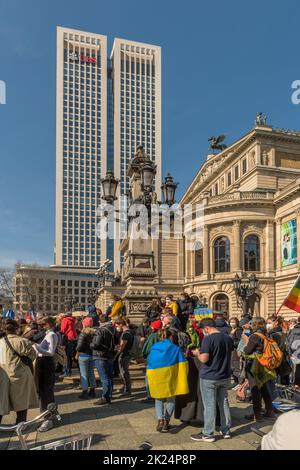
{"x": 253, "y": 282}
{"x": 236, "y": 282}
{"x": 109, "y": 187}
{"x": 147, "y": 172}
{"x": 168, "y": 190}
{"x": 244, "y": 291}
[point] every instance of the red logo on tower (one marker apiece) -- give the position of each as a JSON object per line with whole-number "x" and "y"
{"x": 83, "y": 58}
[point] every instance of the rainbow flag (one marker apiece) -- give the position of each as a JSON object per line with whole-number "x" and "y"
{"x": 293, "y": 299}
{"x": 167, "y": 370}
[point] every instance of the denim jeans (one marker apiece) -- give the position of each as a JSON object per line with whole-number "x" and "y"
{"x": 165, "y": 408}
{"x": 213, "y": 392}
{"x": 105, "y": 368}
{"x": 86, "y": 367}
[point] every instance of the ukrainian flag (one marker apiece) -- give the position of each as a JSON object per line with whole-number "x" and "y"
{"x": 167, "y": 371}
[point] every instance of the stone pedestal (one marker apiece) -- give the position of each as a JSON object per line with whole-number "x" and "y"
{"x": 139, "y": 274}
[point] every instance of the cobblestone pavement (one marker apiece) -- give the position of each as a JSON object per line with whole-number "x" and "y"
{"x": 126, "y": 423}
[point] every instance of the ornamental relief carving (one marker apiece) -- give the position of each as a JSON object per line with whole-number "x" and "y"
{"x": 255, "y": 228}
{"x": 222, "y": 230}
{"x": 138, "y": 307}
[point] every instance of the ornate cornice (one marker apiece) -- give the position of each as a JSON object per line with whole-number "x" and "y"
{"x": 219, "y": 162}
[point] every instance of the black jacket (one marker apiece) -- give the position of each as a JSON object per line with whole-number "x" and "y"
{"x": 84, "y": 341}
{"x": 223, "y": 326}
{"x": 153, "y": 313}
{"x": 143, "y": 331}
{"x": 186, "y": 306}
{"x": 237, "y": 337}
{"x": 104, "y": 341}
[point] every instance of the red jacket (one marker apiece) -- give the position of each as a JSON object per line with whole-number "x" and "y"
{"x": 68, "y": 328}
{"x": 198, "y": 330}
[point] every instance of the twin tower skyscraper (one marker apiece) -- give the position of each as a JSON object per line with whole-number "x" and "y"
{"x": 105, "y": 108}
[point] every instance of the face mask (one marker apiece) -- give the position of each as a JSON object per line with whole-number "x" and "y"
{"x": 269, "y": 326}
{"x": 233, "y": 325}
{"x": 247, "y": 332}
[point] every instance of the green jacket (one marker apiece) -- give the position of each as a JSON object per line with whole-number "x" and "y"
{"x": 152, "y": 339}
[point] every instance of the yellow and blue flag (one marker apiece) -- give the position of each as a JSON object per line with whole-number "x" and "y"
{"x": 167, "y": 370}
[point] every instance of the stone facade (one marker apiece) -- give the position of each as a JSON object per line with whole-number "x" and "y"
{"x": 248, "y": 190}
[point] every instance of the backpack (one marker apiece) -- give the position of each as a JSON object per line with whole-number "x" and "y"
{"x": 112, "y": 344}
{"x": 184, "y": 340}
{"x": 272, "y": 355}
{"x": 136, "y": 350}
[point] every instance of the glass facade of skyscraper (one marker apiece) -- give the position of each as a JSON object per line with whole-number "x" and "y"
{"x": 83, "y": 69}
{"x": 105, "y": 109}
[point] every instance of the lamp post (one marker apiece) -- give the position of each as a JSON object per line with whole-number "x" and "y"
{"x": 244, "y": 291}
{"x": 146, "y": 169}
{"x": 138, "y": 269}
{"x": 109, "y": 187}
{"x": 168, "y": 190}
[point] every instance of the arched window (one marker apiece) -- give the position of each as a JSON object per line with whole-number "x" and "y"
{"x": 222, "y": 255}
{"x": 252, "y": 253}
{"x": 221, "y": 304}
{"x": 198, "y": 259}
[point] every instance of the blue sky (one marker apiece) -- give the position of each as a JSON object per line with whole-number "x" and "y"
{"x": 222, "y": 62}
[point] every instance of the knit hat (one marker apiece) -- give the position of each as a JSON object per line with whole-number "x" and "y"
{"x": 156, "y": 325}
{"x": 245, "y": 321}
{"x": 92, "y": 310}
{"x": 87, "y": 322}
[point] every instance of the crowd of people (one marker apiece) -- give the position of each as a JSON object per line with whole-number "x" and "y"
{"x": 191, "y": 363}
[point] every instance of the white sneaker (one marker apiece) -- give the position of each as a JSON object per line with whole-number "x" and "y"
{"x": 226, "y": 435}
{"x": 46, "y": 426}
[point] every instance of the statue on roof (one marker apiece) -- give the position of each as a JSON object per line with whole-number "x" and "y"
{"x": 260, "y": 120}
{"x": 215, "y": 142}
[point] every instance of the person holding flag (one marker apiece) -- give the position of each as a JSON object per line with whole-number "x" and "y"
{"x": 167, "y": 374}
{"x": 292, "y": 301}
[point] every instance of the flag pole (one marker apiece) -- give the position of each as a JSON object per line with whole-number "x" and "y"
{"x": 276, "y": 314}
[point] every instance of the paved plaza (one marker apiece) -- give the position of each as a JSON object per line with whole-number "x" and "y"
{"x": 128, "y": 422}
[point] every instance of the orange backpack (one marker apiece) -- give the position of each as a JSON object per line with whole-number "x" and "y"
{"x": 272, "y": 355}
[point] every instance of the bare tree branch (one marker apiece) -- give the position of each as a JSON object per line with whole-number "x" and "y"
{"x": 6, "y": 282}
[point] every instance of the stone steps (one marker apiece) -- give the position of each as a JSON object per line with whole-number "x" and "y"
{"x": 137, "y": 374}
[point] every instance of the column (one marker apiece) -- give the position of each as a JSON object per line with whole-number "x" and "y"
{"x": 235, "y": 262}
{"x": 206, "y": 250}
{"x": 270, "y": 247}
{"x": 181, "y": 259}
{"x": 278, "y": 245}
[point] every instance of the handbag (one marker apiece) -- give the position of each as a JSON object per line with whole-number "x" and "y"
{"x": 241, "y": 393}
{"x": 24, "y": 359}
